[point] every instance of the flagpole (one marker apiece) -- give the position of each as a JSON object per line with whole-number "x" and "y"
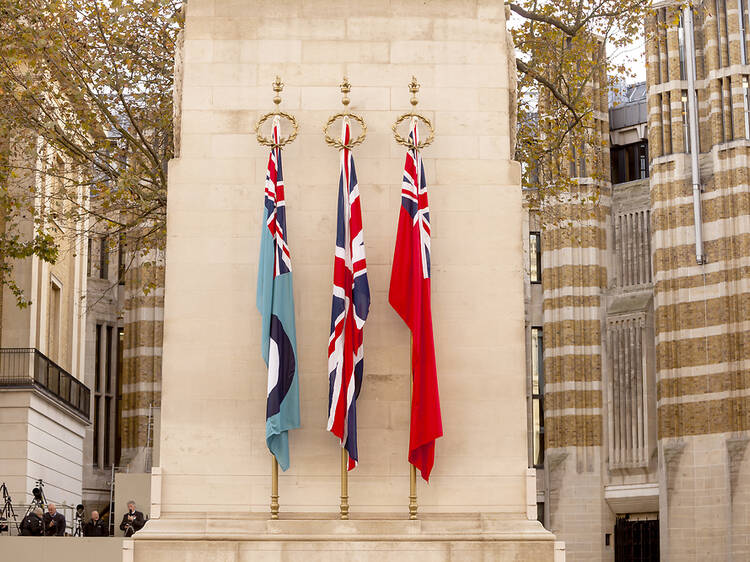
{"x": 274, "y": 488}
{"x": 416, "y": 145}
{"x": 344, "y": 506}
{"x": 412, "y": 469}
{"x": 276, "y": 143}
{"x": 345, "y": 144}
{"x": 412, "y": 492}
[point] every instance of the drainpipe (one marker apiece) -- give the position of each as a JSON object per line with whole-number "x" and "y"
{"x": 694, "y": 137}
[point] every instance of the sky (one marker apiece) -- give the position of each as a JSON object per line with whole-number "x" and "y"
{"x": 634, "y": 57}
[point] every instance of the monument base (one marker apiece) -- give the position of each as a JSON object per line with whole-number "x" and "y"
{"x": 438, "y": 538}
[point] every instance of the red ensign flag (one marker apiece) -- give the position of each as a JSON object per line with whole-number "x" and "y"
{"x": 410, "y": 297}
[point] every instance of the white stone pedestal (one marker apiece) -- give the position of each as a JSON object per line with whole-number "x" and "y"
{"x": 464, "y": 537}
{"x": 211, "y": 492}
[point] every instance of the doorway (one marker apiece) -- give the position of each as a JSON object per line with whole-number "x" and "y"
{"x": 636, "y": 540}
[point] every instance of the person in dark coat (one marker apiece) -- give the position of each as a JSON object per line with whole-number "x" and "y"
{"x": 95, "y": 527}
{"x": 132, "y": 521}
{"x": 54, "y": 522}
{"x": 32, "y": 525}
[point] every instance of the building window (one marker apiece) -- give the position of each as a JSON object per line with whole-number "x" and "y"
{"x": 106, "y": 434}
{"x": 90, "y": 257}
{"x": 746, "y": 105}
{"x": 661, "y": 27}
{"x": 53, "y": 322}
{"x": 108, "y": 362}
{"x": 743, "y": 22}
{"x": 107, "y": 431}
{"x": 537, "y": 396}
{"x": 98, "y": 359}
{"x": 629, "y": 162}
{"x": 728, "y": 109}
{"x": 121, "y": 260}
{"x": 103, "y": 259}
{"x": 573, "y": 158}
{"x": 535, "y": 257}
{"x": 96, "y": 463}
{"x": 722, "y": 33}
{"x": 681, "y": 45}
{"x": 97, "y": 393}
{"x": 582, "y": 161}
{"x": 118, "y": 394}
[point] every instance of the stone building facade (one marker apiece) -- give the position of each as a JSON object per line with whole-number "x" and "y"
{"x": 647, "y": 436}
{"x": 44, "y": 403}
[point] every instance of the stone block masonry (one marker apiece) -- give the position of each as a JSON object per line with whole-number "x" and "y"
{"x": 215, "y": 467}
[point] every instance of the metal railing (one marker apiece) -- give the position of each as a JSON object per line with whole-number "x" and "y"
{"x": 22, "y": 367}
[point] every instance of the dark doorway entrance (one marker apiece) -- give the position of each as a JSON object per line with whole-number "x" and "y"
{"x": 636, "y": 540}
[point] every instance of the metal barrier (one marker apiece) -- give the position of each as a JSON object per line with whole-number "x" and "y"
{"x": 29, "y": 368}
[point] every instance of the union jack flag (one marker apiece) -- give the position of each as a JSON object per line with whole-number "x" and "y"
{"x": 351, "y": 303}
{"x": 410, "y": 297}
{"x": 276, "y": 207}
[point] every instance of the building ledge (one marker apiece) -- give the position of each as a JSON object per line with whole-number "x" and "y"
{"x": 633, "y": 498}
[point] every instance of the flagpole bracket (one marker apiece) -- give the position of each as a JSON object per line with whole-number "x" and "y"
{"x": 278, "y": 86}
{"x": 413, "y": 88}
{"x": 346, "y": 114}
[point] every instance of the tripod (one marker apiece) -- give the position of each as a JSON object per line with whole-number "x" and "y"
{"x": 39, "y": 499}
{"x": 7, "y": 512}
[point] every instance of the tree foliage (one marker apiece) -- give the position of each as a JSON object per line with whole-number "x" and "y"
{"x": 86, "y": 98}
{"x": 93, "y": 79}
{"x": 564, "y": 76}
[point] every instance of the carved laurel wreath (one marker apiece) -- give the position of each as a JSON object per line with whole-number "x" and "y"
{"x": 352, "y": 142}
{"x": 405, "y": 141}
{"x": 283, "y": 140}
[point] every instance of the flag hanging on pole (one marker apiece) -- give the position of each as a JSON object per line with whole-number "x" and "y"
{"x": 351, "y": 303}
{"x": 275, "y": 302}
{"x": 410, "y": 297}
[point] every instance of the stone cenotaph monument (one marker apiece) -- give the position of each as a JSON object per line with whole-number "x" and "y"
{"x": 211, "y": 492}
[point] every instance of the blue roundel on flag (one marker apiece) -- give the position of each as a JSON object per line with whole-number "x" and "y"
{"x": 281, "y": 366}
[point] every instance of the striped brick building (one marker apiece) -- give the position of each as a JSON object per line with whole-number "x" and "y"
{"x": 638, "y": 317}
{"x": 125, "y": 300}
{"x": 141, "y": 363}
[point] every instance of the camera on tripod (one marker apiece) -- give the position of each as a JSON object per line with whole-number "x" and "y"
{"x": 80, "y": 512}
{"x": 6, "y": 513}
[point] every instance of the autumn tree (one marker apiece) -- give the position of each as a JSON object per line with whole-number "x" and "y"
{"x": 563, "y": 64}
{"x": 90, "y": 81}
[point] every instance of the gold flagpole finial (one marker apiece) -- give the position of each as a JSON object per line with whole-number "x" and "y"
{"x": 412, "y": 115}
{"x": 414, "y": 88}
{"x": 346, "y": 87}
{"x": 278, "y": 87}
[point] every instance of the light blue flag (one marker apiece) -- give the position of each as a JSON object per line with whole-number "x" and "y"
{"x": 275, "y": 301}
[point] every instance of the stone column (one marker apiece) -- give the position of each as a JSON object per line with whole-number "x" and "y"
{"x": 215, "y": 468}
